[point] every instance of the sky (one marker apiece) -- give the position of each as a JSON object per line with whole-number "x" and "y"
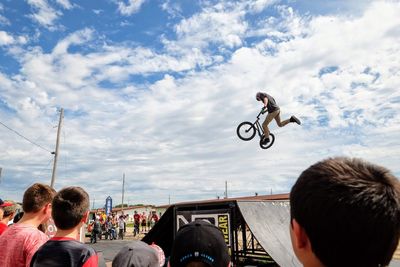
{"x": 155, "y": 90}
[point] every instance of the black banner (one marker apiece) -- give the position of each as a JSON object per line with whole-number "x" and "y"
{"x": 219, "y": 218}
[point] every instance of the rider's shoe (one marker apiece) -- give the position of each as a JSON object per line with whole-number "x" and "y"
{"x": 294, "y": 119}
{"x": 265, "y": 140}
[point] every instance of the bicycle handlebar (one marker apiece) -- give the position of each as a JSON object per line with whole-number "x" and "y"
{"x": 263, "y": 110}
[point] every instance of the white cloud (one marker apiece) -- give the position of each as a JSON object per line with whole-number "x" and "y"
{"x": 260, "y": 5}
{"x": 131, "y": 7}
{"x": 4, "y": 20}
{"x": 176, "y": 135}
{"x": 5, "y": 38}
{"x": 172, "y": 8}
{"x": 76, "y": 38}
{"x": 44, "y": 14}
{"x": 66, "y": 4}
{"x": 98, "y": 11}
{"x": 219, "y": 24}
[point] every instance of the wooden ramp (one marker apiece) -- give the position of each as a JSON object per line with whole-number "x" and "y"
{"x": 269, "y": 223}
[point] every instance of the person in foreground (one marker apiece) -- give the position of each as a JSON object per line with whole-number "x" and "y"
{"x": 199, "y": 244}
{"x": 70, "y": 212}
{"x": 345, "y": 213}
{"x": 8, "y": 209}
{"x": 274, "y": 112}
{"x": 136, "y": 254}
{"x": 21, "y": 240}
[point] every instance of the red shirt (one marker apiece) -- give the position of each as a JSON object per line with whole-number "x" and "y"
{"x": 19, "y": 243}
{"x": 3, "y": 227}
{"x": 154, "y": 217}
{"x": 136, "y": 218}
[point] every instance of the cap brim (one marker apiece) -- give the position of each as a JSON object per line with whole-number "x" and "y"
{"x": 6, "y": 204}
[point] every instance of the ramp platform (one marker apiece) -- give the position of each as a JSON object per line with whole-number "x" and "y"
{"x": 269, "y": 222}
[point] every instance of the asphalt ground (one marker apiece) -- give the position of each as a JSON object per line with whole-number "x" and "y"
{"x": 107, "y": 249}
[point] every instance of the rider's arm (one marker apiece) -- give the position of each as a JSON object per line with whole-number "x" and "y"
{"x": 265, "y": 101}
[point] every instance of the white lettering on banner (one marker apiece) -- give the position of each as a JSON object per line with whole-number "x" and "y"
{"x": 221, "y": 220}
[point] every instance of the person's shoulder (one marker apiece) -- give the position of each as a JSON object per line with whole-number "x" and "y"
{"x": 70, "y": 244}
{"x": 25, "y": 231}
{"x": 3, "y": 227}
{"x": 84, "y": 247}
{"x": 267, "y": 95}
{"x": 68, "y": 247}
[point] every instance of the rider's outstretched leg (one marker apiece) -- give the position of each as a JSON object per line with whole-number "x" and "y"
{"x": 267, "y": 120}
{"x": 283, "y": 123}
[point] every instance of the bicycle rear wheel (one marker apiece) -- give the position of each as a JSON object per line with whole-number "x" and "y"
{"x": 246, "y": 131}
{"x": 269, "y": 144}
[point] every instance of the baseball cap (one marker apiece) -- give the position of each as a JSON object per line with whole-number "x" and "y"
{"x": 160, "y": 254}
{"x": 5, "y": 204}
{"x": 199, "y": 241}
{"x": 136, "y": 254}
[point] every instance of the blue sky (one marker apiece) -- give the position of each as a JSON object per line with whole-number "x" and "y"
{"x": 155, "y": 90}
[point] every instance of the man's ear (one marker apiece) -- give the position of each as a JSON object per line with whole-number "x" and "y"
{"x": 47, "y": 208}
{"x": 300, "y": 237}
{"x": 12, "y": 215}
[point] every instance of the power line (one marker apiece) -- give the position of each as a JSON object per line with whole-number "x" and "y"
{"x": 27, "y": 139}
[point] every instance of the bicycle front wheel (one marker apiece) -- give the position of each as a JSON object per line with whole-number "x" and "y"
{"x": 246, "y": 131}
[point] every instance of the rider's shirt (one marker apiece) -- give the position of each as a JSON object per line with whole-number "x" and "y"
{"x": 271, "y": 105}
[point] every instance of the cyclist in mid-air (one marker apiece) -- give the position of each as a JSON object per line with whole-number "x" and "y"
{"x": 273, "y": 113}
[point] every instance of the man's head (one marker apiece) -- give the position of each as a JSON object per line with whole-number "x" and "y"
{"x": 38, "y": 197}
{"x": 3, "y": 205}
{"x": 9, "y": 208}
{"x": 345, "y": 212}
{"x": 258, "y": 96}
{"x": 136, "y": 254}
{"x": 199, "y": 243}
{"x": 70, "y": 207}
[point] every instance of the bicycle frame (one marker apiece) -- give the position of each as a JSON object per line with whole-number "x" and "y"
{"x": 257, "y": 124}
{"x": 246, "y": 132}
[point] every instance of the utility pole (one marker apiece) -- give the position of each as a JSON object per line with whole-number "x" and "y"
{"x": 94, "y": 199}
{"x": 123, "y": 191}
{"x": 226, "y": 189}
{"x": 53, "y": 176}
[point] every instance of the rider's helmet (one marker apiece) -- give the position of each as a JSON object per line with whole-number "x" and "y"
{"x": 258, "y": 96}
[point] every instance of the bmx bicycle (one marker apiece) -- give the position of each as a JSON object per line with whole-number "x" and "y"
{"x": 247, "y": 130}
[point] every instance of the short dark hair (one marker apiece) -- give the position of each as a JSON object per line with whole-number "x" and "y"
{"x": 350, "y": 210}
{"x": 69, "y": 206}
{"x": 36, "y": 197}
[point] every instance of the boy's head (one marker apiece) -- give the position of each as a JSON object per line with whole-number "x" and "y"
{"x": 9, "y": 209}
{"x": 2, "y": 206}
{"x": 37, "y": 198}
{"x": 136, "y": 254}
{"x": 70, "y": 207}
{"x": 345, "y": 212}
{"x": 199, "y": 243}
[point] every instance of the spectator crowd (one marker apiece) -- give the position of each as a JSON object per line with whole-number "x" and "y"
{"x": 114, "y": 226}
{"x": 343, "y": 212}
